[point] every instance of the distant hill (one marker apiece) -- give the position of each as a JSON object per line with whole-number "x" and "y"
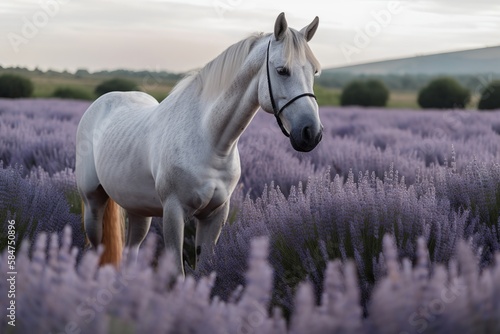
{"x": 484, "y": 60}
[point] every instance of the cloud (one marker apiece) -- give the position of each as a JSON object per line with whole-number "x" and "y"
{"x": 452, "y": 7}
{"x": 180, "y": 35}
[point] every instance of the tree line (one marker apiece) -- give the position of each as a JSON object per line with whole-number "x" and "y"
{"x": 438, "y": 93}
{"x": 16, "y": 86}
{"x": 404, "y": 82}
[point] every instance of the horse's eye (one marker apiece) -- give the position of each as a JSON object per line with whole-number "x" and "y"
{"x": 283, "y": 71}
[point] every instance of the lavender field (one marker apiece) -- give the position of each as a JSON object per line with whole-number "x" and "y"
{"x": 391, "y": 225}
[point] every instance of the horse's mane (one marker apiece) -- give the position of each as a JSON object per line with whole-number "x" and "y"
{"x": 218, "y": 74}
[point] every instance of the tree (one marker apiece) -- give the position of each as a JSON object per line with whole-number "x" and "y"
{"x": 490, "y": 97}
{"x": 15, "y": 86}
{"x": 370, "y": 93}
{"x": 443, "y": 93}
{"x": 116, "y": 84}
{"x": 72, "y": 93}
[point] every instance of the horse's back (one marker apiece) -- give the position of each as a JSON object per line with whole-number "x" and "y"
{"x": 111, "y": 102}
{"x": 104, "y": 124}
{"x": 111, "y": 108}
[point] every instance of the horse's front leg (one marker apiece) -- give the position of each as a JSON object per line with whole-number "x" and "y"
{"x": 173, "y": 230}
{"x": 208, "y": 230}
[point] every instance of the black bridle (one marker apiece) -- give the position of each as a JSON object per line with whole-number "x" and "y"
{"x": 276, "y": 111}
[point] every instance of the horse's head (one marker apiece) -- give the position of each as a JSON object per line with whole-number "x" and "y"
{"x": 286, "y": 84}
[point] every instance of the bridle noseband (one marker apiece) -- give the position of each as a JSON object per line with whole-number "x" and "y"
{"x": 276, "y": 111}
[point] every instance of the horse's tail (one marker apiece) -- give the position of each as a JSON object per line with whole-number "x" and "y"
{"x": 112, "y": 234}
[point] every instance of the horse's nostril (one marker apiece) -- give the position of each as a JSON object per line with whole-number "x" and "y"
{"x": 306, "y": 134}
{"x": 319, "y": 137}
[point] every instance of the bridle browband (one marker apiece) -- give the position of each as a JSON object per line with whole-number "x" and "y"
{"x": 276, "y": 111}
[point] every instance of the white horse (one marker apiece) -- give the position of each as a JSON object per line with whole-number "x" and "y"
{"x": 179, "y": 158}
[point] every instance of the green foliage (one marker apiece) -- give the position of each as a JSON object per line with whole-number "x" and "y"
{"x": 74, "y": 201}
{"x": 490, "y": 97}
{"x": 326, "y": 96}
{"x": 189, "y": 249}
{"x": 72, "y": 93}
{"x": 443, "y": 93}
{"x": 378, "y": 92}
{"x": 121, "y": 326}
{"x": 116, "y": 84}
{"x": 401, "y": 82}
{"x": 15, "y": 86}
{"x": 354, "y": 94}
{"x": 370, "y": 93}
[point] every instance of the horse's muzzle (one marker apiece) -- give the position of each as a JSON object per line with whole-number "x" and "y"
{"x": 306, "y": 139}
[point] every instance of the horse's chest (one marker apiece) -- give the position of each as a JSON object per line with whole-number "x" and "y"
{"x": 212, "y": 189}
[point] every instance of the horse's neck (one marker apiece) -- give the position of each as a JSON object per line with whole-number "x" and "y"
{"x": 232, "y": 111}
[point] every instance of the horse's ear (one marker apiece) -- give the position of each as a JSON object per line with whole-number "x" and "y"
{"x": 280, "y": 27}
{"x": 310, "y": 30}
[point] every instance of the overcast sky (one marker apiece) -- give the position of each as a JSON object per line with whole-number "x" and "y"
{"x": 185, "y": 34}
